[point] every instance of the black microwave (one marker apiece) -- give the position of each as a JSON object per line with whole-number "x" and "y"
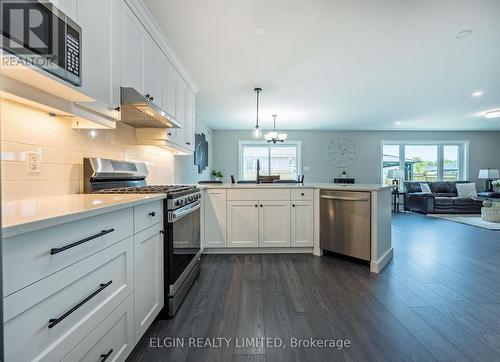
{"x": 41, "y": 35}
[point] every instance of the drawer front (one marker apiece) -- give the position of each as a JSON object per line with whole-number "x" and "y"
{"x": 27, "y": 258}
{"x": 302, "y": 194}
{"x": 114, "y": 337}
{"x": 75, "y": 300}
{"x": 257, "y": 194}
{"x": 147, "y": 215}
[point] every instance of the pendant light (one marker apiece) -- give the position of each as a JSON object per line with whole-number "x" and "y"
{"x": 275, "y": 136}
{"x": 256, "y": 132}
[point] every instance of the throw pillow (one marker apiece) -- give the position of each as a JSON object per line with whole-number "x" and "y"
{"x": 466, "y": 190}
{"x": 425, "y": 188}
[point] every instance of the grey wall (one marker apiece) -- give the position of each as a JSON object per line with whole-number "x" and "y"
{"x": 484, "y": 151}
{"x": 185, "y": 171}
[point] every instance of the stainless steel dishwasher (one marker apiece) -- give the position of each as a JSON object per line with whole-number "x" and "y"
{"x": 345, "y": 219}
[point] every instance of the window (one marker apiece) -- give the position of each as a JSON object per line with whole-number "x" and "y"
{"x": 282, "y": 160}
{"x": 425, "y": 161}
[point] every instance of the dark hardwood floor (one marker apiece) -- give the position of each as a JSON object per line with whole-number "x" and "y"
{"x": 438, "y": 299}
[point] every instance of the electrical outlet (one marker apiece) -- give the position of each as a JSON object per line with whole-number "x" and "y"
{"x": 33, "y": 161}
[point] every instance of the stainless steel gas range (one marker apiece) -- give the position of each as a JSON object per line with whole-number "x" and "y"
{"x": 182, "y": 248}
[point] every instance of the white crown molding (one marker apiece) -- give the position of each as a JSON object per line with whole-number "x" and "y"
{"x": 149, "y": 22}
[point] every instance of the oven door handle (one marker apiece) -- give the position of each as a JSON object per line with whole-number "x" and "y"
{"x": 173, "y": 216}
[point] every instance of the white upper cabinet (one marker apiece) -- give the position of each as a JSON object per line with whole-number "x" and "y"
{"x": 169, "y": 76}
{"x": 100, "y": 73}
{"x": 190, "y": 119}
{"x": 131, "y": 49}
{"x": 153, "y": 67}
{"x": 180, "y": 111}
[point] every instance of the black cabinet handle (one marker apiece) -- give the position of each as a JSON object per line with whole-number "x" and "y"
{"x": 255, "y": 205}
{"x": 188, "y": 143}
{"x": 54, "y": 251}
{"x": 54, "y": 321}
{"x": 261, "y": 205}
{"x": 151, "y": 98}
{"x": 293, "y": 205}
{"x": 105, "y": 356}
{"x": 152, "y": 213}
{"x": 302, "y": 194}
{"x": 147, "y": 96}
{"x": 117, "y": 109}
{"x": 169, "y": 134}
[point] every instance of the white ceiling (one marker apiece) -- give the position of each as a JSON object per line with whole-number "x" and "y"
{"x": 339, "y": 64}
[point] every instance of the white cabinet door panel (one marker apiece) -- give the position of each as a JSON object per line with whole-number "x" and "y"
{"x": 131, "y": 49}
{"x": 100, "y": 73}
{"x": 148, "y": 262}
{"x": 302, "y": 223}
{"x": 114, "y": 337}
{"x": 97, "y": 285}
{"x": 215, "y": 218}
{"x": 274, "y": 223}
{"x": 243, "y": 223}
{"x": 169, "y": 76}
{"x": 153, "y": 67}
{"x": 180, "y": 111}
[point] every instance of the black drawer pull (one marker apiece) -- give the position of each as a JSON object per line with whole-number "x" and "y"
{"x": 293, "y": 205}
{"x": 69, "y": 246}
{"x": 188, "y": 143}
{"x": 105, "y": 356}
{"x": 302, "y": 194}
{"x": 152, "y": 213}
{"x": 54, "y": 321}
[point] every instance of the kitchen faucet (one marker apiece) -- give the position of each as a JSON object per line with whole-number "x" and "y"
{"x": 258, "y": 171}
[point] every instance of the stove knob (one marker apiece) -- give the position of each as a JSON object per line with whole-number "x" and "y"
{"x": 182, "y": 201}
{"x": 190, "y": 198}
{"x": 177, "y": 202}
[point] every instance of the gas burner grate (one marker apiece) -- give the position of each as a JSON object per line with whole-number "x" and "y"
{"x": 170, "y": 190}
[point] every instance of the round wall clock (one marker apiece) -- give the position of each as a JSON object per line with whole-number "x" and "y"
{"x": 341, "y": 152}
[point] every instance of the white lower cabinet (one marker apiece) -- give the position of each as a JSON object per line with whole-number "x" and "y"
{"x": 214, "y": 218}
{"x": 148, "y": 263}
{"x": 93, "y": 298}
{"x": 45, "y": 320}
{"x": 112, "y": 340}
{"x": 243, "y": 223}
{"x": 258, "y": 218}
{"x": 302, "y": 223}
{"x": 274, "y": 224}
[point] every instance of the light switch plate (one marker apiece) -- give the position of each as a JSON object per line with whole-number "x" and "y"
{"x": 33, "y": 160}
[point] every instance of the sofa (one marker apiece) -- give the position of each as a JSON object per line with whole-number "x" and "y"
{"x": 443, "y": 199}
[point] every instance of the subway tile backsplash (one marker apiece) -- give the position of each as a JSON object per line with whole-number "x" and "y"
{"x": 62, "y": 148}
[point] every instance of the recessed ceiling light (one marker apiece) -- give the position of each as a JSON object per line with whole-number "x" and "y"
{"x": 477, "y": 94}
{"x": 260, "y": 31}
{"x": 463, "y": 34}
{"x": 495, "y": 113}
{"x": 397, "y": 123}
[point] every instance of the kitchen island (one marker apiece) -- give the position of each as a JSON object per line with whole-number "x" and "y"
{"x": 285, "y": 218}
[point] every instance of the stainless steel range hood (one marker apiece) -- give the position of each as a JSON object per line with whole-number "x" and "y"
{"x": 140, "y": 112}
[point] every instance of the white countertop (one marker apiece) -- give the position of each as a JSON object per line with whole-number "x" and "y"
{"x": 21, "y": 216}
{"x": 324, "y": 186}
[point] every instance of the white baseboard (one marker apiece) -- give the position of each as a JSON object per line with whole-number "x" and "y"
{"x": 378, "y": 265}
{"x": 257, "y": 250}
